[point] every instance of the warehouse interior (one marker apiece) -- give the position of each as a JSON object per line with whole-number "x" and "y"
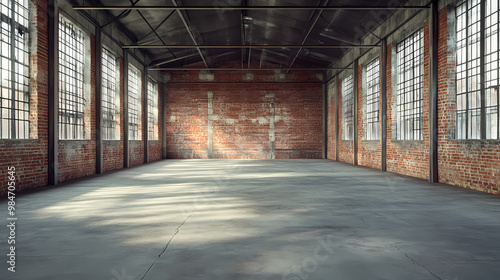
{"x": 250, "y": 139}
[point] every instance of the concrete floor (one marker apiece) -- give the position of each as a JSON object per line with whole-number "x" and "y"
{"x": 222, "y": 219}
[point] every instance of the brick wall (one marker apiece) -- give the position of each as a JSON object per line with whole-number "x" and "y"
{"x": 244, "y": 119}
{"x": 369, "y": 151}
{"x": 30, "y": 157}
{"x": 346, "y": 152}
{"x": 472, "y": 164}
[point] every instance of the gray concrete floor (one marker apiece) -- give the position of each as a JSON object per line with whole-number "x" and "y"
{"x": 238, "y": 219}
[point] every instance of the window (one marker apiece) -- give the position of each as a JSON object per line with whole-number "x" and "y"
{"x": 109, "y": 95}
{"x": 477, "y": 102}
{"x": 347, "y": 108}
{"x": 372, "y": 100}
{"x": 409, "y": 114}
{"x": 14, "y": 70}
{"x": 152, "y": 109}
{"x": 71, "y": 91}
{"x": 133, "y": 102}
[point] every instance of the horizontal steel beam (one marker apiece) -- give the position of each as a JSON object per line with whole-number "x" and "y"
{"x": 249, "y": 47}
{"x": 245, "y": 69}
{"x": 250, "y": 8}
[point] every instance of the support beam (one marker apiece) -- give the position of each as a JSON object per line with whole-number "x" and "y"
{"x": 199, "y": 47}
{"x": 163, "y": 123}
{"x": 337, "y": 116}
{"x": 355, "y": 105}
{"x": 482, "y": 71}
{"x": 433, "y": 98}
{"x": 53, "y": 22}
{"x": 307, "y": 35}
{"x": 98, "y": 99}
{"x": 190, "y": 32}
{"x": 325, "y": 118}
{"x": 126, "y": 136}
{"x": 145, "y": 136}
{"x": 251, "y": 8}
{"x": 383, "y": 97}
{"x": 244, "y": 69}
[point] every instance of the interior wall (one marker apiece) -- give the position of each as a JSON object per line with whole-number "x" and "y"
{"x": 249, "y": 115}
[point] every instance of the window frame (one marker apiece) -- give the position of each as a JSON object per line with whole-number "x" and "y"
{"x": 477, "y": 118}
{"x": 74, "y": 110}
{"x": 348, "y": 103}
{"x": 110, "y": 95}
{"x": 15, "y": 96}
{"x": 152, "y": 97}
{"x": 372, "y": 100}
{"x": 409, "y": 87}
{"x": 134, "y": 102}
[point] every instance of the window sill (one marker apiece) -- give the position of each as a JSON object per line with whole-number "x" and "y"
{"x": 75, "y": 140}
{"x": 18, "y": 141}
{"x": 371, "y": 141}
{"x": 486, "y": 141}
{"x": 408, "y": 141}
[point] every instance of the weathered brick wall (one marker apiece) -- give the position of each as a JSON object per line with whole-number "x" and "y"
{"x": 248, "y": 111}
{"x": 472, "y": 164}
{"x": 331, "y": 121}
{"x": 408, "y": 157}
{"x": 369, "y": 151}
{"x": 30, "y": 157}
{"x": 346, "y": 152}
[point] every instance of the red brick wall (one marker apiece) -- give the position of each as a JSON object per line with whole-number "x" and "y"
{"x": 30, "y": 157}
{"x": 112, "y": 151}
{"x": 331, "y": 121}
{"x": 346, "y": 152}
{"x": 242, "y": 115}
{"x": 472, "y": 164}
{"x": 409, "y": 157}
{"x": 369, "y": 152}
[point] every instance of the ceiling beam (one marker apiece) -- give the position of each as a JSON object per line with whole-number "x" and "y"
{"x": 248, "y": 46}
{"x": 307, "y": 35}
{"x": 250, "y": 8}
{"x": 245, "y": 69}
{"x": 188, "y": 28}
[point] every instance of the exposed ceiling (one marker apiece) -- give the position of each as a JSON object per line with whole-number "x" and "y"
{"x": 249, "y": 27}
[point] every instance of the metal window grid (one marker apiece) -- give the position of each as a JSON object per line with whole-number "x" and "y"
{"x": 14, "y": 70}
{"x": 347, "y": 107}
{"x": 492, "y": 65}
{"x": 133, "y": 102}
{"x": 409, "y": 118}
{"x": 372, "y": 100}
{"x": 109, "y": 101}
{"x": 468, "y": 70}
{"x": 152, "y": 108}
{"x": 71, "y": 91}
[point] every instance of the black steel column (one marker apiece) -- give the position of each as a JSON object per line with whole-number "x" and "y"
{"x": 355, "y": 105}
{"x": 383, "y": 97}
{"x": 482, "y": 65}
{"x": 433, "y": 98}
{"x": 126, "y": 136}
{"x": 145, "y": 119}
{"x": 53, "y": 22}
{"x": 337, "y": 92}
{"x": 325, "y": 117}
{"x": 163, "y": 124}
{"x": 98, "y": 99}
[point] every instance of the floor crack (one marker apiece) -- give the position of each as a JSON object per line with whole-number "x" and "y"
{"x": 415, "y": 262}
{"x": 166, "y": 246}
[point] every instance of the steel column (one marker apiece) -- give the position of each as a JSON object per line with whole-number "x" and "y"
{"x": 98, "y": 99}
{"x": 482, "y": 66}
{"x": 163, "y": 123}
{"x": 145, "y": 121}
{"x": 337, "y": 116}
{"x": 383, "y": 97}
{"x": 126, "y": 136}
{"x": 325, "y": 119}
{"x": 355, "y": 108}
{"x": 433, "y": 98}
{"x": 53, "y": 21}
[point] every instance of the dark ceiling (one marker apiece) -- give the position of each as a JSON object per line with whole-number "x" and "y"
{"x": 249, "y": 27}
